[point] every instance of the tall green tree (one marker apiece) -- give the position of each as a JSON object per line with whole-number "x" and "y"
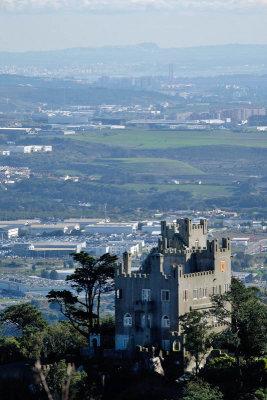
{"x": 62, "y": 339}
{"x": 32, "y": 343}
{"x": 81, "y": 305}
{"x": 198, "y": 389}
{"x": 196, "y": 331}
{"x": 10, "y": 350}
{"x": 244, "y": 316}
{"x": 22, "y": 316}
{"x": 61, "y": 381}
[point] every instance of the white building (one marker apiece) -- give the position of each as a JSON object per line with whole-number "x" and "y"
{"x": 4, "y": 152}
{"x": 120, "y": 248}
{"x": 151, "y": 227}
{"x": 109, "y": 228}
{"x": 240, "y": 241}
{"x": 117, "y": 248}
{"x": 7, "y": 232}
{"x": 29, "y": 149}
{"x": 98, "y": 251}
{"x": 46, "y": 148}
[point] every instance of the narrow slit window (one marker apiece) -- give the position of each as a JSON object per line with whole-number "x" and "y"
{"x": 222, "y": 266}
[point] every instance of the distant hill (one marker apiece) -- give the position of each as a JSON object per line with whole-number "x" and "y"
{"x": 23, "y": 91}
{"x": 148, "y": 57}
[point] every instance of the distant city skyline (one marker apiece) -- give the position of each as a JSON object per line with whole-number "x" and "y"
{"x": 30, "y": 25}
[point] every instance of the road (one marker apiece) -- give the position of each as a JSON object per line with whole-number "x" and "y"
{"x": 254, "y": 247}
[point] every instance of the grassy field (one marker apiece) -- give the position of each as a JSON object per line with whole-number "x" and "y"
{"x": 197, "y": 191}
{"x": 200, "y": 191}
{"x": 149, "y": 165}
{"x": 145, "y": 139}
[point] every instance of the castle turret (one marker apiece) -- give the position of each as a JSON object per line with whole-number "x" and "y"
{"x": 226, "y": 243}
{"x": 127, "y": 262}
{"x": 204, "y": 224}
{"x": 157, "y": 260}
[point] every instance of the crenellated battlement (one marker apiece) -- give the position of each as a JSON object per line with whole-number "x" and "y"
{"x": 195, "y": 226}
{"x": 196, "y": 260}
{"x": 183, "y": 234}
{"x": 174, "y": 333}
{"x": 140, "y": 276}
{"x": 211, "y": 248}
{"x": 195, "y": 274}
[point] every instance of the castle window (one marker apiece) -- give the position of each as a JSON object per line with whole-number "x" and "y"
{"x": 222, "y": 266}
{"x": 185, "y": 295}
{"x": 143, "y": 320}
{"x": 140, "y": 319}
{"x": 146, "y": 295}
{"x": 214, "y": 290}
{"x": 199, "y": 293}
{"x": 205, "y": 292}
{"x": 127, "y": 320}
{"x": 165, "y": 321}
{"x": 149, "y": 321}
{"x": 195, "y": 294}
{"x": 165, "y": 295}
{"x": 176, "y": 345}
{"x": 226, "y": 287}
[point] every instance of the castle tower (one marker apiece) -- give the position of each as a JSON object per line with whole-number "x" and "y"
{"x": 176, "y": 277}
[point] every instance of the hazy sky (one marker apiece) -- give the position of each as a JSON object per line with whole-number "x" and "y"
{"x": 53, "y": 24}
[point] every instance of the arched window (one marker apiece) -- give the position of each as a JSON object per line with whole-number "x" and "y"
{"x": 165, "y": 321}
{"x": 127, "y": 320}
{"x": 176, "y": 345}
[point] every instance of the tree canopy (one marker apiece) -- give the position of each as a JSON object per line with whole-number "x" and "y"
{"x": 245, "y": 319}
{"x": 198, "y": 389}
{"x": 22, "y": 316}
{"x": 195, "y": 329}
{"x": 81, "y": 304}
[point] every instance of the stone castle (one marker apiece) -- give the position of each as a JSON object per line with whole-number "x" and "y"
{"x": 178, "y": 275}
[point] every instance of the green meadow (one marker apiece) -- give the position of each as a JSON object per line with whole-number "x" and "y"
{"x": 146, "y": 139}
{"x": 149, "y": 165}
{"x": 201, "y": 191}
